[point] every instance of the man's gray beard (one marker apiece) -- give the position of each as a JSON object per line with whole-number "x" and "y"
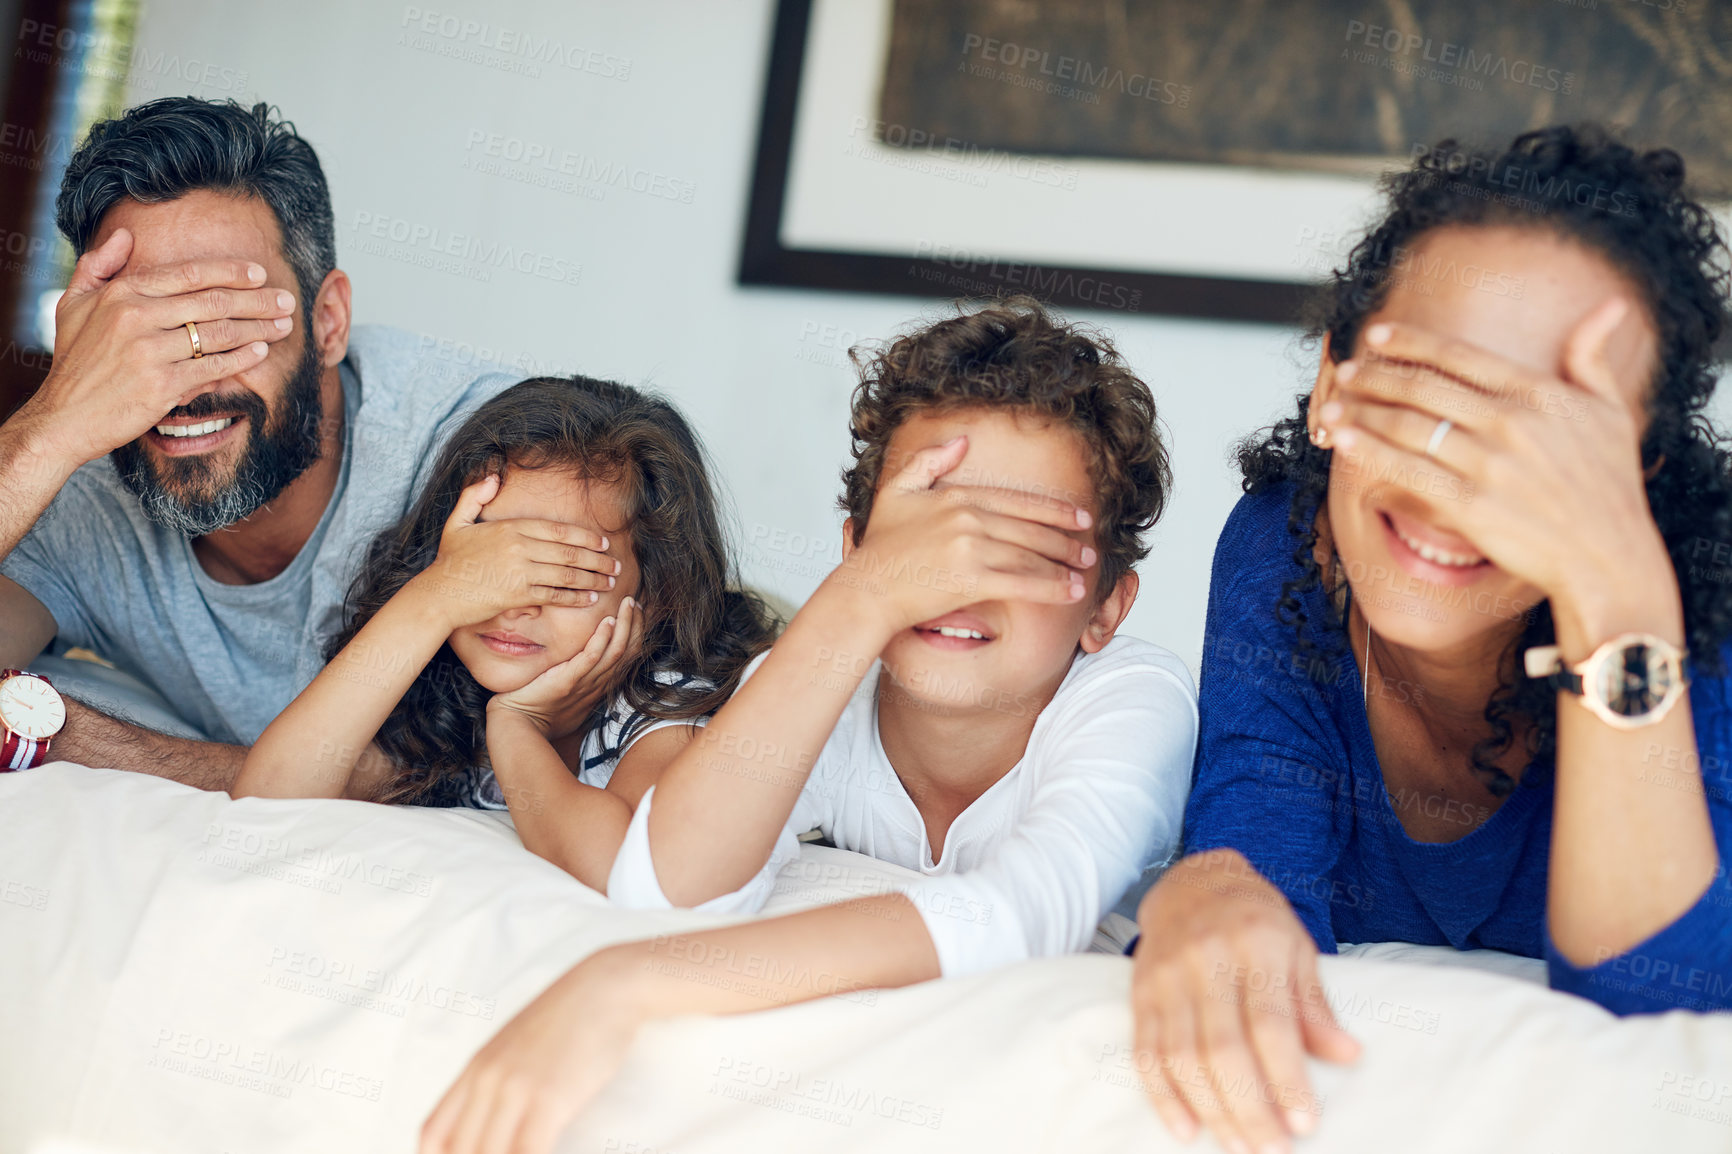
{"x": 235, "y": 502}
{"x": 273, "y": 457}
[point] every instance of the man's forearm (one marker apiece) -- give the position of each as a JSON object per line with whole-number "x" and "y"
{"x": 29, "y": 477}
{"x": 93, "y": 738}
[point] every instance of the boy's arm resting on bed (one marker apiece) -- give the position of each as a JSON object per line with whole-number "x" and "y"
{"x": 547, "y": 1064}
{"x": 867, "y": 943}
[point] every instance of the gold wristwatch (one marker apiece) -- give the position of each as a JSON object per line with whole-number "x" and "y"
{"x": 1632, "y": 680}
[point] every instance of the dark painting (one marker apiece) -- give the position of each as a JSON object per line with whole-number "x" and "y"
{"x": 1308, "y": 84}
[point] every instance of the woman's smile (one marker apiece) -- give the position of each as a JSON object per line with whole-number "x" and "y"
{"x": 1417, "y": 551}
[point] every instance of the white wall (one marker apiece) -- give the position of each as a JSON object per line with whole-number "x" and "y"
{"x": 762, "y": 373}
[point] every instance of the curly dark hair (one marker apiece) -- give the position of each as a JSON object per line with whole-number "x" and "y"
{"x": 1583, "y": 185}
{"x": 1016, "y": 355}
{"x": 695, "y": 623}
{"x": 166, "y": 148}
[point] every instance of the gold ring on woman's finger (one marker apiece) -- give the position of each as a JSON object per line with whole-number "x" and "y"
{"x": 197, "y": 345}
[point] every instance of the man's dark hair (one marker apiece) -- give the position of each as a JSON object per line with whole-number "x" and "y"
{"x": 163, "y": 150}
{"x": 1015, "y": 355}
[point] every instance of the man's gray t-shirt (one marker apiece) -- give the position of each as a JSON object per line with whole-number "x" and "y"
{"x": 229, "y": 658}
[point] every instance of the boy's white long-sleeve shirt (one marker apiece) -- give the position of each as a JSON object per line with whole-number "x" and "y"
{"x": 1033, "y": 864}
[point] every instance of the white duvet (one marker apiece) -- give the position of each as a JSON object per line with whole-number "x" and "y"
{"x": 184, "y": 973}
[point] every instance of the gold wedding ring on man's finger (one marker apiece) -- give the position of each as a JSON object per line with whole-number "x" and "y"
{"x": 197, "y": 346}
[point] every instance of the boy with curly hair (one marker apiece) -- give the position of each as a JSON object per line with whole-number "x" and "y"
{"x": 953, "y": 699}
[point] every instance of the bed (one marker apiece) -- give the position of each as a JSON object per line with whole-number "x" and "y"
{"x": 182, "y": 972}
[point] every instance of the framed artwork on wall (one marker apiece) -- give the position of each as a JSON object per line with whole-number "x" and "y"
{"x": 1133, "y": 156}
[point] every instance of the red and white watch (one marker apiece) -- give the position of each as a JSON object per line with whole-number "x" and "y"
{"x": 31, "y": 713}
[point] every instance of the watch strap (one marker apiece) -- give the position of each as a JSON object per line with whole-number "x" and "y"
{"x": 20, "y": 752}
{"x": 1546, "y": 663}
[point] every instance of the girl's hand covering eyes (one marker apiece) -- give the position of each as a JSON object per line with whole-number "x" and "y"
{"x": 559, "y": 699}
{"x": 484, "y": 568}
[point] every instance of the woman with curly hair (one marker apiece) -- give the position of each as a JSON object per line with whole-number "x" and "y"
{"x": 1464, "y": 676}
{"x": 542, "y": 631}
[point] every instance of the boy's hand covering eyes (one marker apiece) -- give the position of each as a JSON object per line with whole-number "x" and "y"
{"x": 561, "y": 696}
{"x": 486, "y": 567}
{"x": 930, "y": 549}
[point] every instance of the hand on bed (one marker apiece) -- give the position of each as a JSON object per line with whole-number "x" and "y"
{"x": 484, "y": 568}
{"x": 562, "y": 696}
{"x": 1227, "y": 1004}
{"x": 1541, "y": 471}
{"x": 538, "y": 1073}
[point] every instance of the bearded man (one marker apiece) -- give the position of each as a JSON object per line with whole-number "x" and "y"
{"x": 190, "y": 492}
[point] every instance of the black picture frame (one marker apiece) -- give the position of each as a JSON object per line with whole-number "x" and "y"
{"x": 765, "y": 261}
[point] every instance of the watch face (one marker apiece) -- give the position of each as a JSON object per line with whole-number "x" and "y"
{"x": 30, "y": 707}
{"x": 1635, "y": 680}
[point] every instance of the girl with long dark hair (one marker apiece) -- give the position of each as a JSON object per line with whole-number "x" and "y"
{"x": 542, "y": 632}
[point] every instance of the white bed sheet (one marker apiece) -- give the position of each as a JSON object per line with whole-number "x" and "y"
{"x": 181, "y": 972}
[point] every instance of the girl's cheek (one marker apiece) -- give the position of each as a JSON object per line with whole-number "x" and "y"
{"x": 611, "y": 598}
{"x": 574, "y": 627}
